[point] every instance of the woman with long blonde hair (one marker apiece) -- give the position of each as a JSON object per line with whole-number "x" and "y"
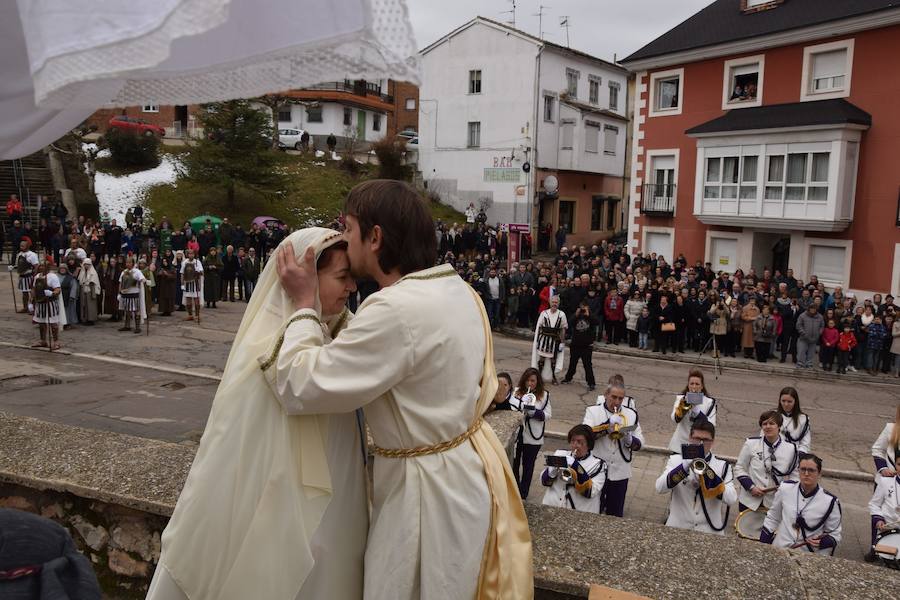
{"x": 887, "y": 447}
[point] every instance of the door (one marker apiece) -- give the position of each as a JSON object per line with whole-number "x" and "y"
{"x": 567, "y": 215}
{"x": 781, "y": 253}
{"x": 361, "y": 125}
{"x": 661, "y": 243}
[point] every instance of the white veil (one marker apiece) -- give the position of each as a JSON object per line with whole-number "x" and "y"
{"x": 260, "y": 482}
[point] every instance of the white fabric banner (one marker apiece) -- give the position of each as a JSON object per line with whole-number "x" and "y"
{"x": 63, "y": 59}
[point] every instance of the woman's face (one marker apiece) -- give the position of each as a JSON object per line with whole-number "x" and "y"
{"x": 787, "y": 403}
{"x": 335, "y": 282}
{"x": 695, "y": 384}
{"x": 531, "y": 382}
{"x": 502, "y": 389}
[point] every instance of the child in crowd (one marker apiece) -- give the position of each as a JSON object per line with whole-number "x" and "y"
{"x": 643, "y": 328}
{"x": 876, "y": 336}
{"x": 828, "y": 344}
{"x": 845, "y": 345}
{"x": 512, "y": 304}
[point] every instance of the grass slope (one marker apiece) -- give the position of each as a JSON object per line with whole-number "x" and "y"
{"x": 315, "y": 194}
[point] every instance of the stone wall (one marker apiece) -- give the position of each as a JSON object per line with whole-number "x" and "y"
{"x": 115, "y": 494}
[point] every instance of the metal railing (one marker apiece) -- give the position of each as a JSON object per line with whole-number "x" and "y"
{"x": 359, "y": 87}
{"x": 658, "y": 200}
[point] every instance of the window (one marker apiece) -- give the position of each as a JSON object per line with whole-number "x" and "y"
{"x": 743, "y": 82}
{"x": 827, "y": 70}
{"x": 410, "y": 104}
{"x": 828, "y": 262}
{"x": 568, "y": 135}
{"x": 610, "y": 139}
{"x": 798, "y": 177}
{"x": 666, "y": 90}
{"x": 597, "y": 212}
{"x": 475, "y": 82}
{"x": 611, "y": 210}
{"x": 731, "y": 177}
{"x": 313, "y": 114}
{"x": 474, "y": 140}
{"x": 614, "y": 95}
{"x": 594, "y": 89}
{"x": 572, "y": 83}
{"x": 284, "y": 114}
{"x": 348, "y": 116}
{"x": 549, "y": 101}
{"x": 591, "y": 136}
{"x": 376, "y": 122}
{"x": 151, "y": 108}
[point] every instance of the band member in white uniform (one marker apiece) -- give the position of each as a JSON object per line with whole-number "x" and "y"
{"x": 579, "y": 486}
{"x": 548, "y": 341}
{"x": 618, "y": 431}
{"x": 131, "y": 295}
{"x": 25, "y": 264}
{"x": 884, "y": 507}
{"x": 192, "y": 284}
{"x": 764, "y": 463}
{"x": 803, "y": 515}
{"x": 700, "y": 501}
{"x": 887, "y": 447}
{"x": 49, "y": 312}
{"x": 617, "y": 379}
{"x": 795, "y": 425}
{"x": 533, "y": 401}
{"x": 685, "y": 414}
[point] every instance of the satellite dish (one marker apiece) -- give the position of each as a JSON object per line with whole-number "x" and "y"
{"x": 551, "y": 184}
{"x": 526, "y": 166}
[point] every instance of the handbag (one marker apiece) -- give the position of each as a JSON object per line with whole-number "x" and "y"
{"x": 666, "y": 327}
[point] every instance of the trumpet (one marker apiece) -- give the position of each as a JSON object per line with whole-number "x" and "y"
{"x": 615, "y": 431}
{"x": 566, "y": 475}
{"x": 699, "y": 466}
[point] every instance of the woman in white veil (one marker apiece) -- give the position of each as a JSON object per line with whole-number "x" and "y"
{"x": 275, "y": 506}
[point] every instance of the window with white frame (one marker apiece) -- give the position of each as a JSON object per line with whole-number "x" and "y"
{"x": 743, "y": 82}
{"x": 549, "y": 102}
{"x": 610, "y": 139}
{"x": 827, "y": 70}
{"x": 731, "y": 177}
{"x": 568, "y": 135}
{"x": 314, "y": 114}
{"x": 797, "y": 177}
{"x": 410, "y": 104}
{"x": 284, "y": 114}
{"x": 150, "y": 108}
{"x": 475, "y": 81}
{"x": 666, "y": 91}
{"x": 828, "y": 263}
{"x": 474, "y": 139}
{"x": 572, "y": 83}
{"x": 591, "y": 136}
{"x": 593, "y": 89}
{"x": 614, "y": 95}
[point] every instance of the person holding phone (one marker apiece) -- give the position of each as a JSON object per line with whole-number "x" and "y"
{"x": 693, "y": 404}
{"x": 575, "y": 477}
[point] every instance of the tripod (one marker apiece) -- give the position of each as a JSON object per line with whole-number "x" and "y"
{"x": 717, "y": 365}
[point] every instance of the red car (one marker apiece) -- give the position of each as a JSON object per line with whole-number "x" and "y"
{"x": 136, "y": 125}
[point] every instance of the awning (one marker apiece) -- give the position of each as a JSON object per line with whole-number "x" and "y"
{"x": 822, "y": 113}
{"x": 63, "y": 59}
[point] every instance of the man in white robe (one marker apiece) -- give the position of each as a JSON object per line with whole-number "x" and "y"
{"x": 547, "y": 354}
{"x": 447, "y": 519}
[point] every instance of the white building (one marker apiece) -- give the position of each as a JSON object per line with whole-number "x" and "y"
{"x": 494, "y": 98}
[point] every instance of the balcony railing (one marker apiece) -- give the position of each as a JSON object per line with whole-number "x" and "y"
{"x": 658, "y": 200}
{"x": 358, "y": 87}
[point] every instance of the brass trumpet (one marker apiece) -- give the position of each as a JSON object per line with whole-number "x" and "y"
{"x": 615, "y": 431}
{"x": 566, "y": 475}
{"x": 699, "y": 466}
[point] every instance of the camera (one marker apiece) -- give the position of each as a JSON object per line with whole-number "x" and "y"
{"x": 692, "y": 451}
{"x": 693, "y": 398}
{"x": 554, "y": 460}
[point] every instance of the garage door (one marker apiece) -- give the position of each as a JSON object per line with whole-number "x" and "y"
{"x": 661, "y": 243}
{"x": 723, "y": 254}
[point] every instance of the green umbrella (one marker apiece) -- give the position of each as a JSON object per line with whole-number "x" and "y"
{"x": 199, "y": 223}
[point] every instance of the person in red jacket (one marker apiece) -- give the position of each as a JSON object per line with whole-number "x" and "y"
{"x": 14, "y": 208}
{"x": 614, "y": 313}
{"x": 846, "y": 343}
{"x": 545, "y": 295}
{"x": 828, "y": 345}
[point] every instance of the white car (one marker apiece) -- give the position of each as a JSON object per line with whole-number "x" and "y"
{"x": 290, "y": 138}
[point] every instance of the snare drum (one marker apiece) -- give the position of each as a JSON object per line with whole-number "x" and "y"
{"x": 887, "y": 547}
{"x": 749, "y": 523}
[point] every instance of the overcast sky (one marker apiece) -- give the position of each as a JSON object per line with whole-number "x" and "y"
{"x": 599, "y": 27}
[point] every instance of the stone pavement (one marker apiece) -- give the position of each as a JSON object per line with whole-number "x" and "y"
{"x": 643, "y": 503}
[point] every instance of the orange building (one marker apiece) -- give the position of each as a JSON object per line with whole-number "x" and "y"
{"x": 765, "y": 136}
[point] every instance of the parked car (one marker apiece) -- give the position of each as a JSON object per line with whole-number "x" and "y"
{"x": 139, "y": 126}
{"x": 408, "y": 134}
{"x": 414, "y": 141}
{"x": 290, "y": 138}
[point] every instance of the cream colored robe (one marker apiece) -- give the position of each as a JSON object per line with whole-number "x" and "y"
{"x": 413, "y": 356}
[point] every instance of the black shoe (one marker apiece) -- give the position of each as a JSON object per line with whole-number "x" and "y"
{"x": 566, "y": 381}
{"x": 869, "y": 556}
{"x": 591, "y": 388}
{"x": 124, "y": 328}
{"x": 136, "y": 330}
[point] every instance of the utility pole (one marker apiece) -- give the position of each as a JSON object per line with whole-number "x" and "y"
{"x": 511, "y": 12}
{"x": 540, "y": 16}
{"x": 564, "y": 22}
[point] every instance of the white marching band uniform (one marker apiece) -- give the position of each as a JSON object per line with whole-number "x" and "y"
{"x": 132, "y": 298}
{"x": 795, "y": 516}
{"x": 682, "y": 434}
{"x": 583, "y": 491}
{"x": 884, "y": 455}
{"x": 616, "y": 453}
{"x": 192, "y": 289}
{"x": 689, "y": 507}
{"x": 546, "y": 347}
{"x": 764, "y": 465}
{"x": 26, "y": 274}
{"x": 51, "y": 312}
{"x": 885, "y": 502}
{"x": 533, "y": 429}
{"x": 799, "y": 434}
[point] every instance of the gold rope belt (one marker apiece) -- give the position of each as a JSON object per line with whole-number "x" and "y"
{"x": 426, "y": 450}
